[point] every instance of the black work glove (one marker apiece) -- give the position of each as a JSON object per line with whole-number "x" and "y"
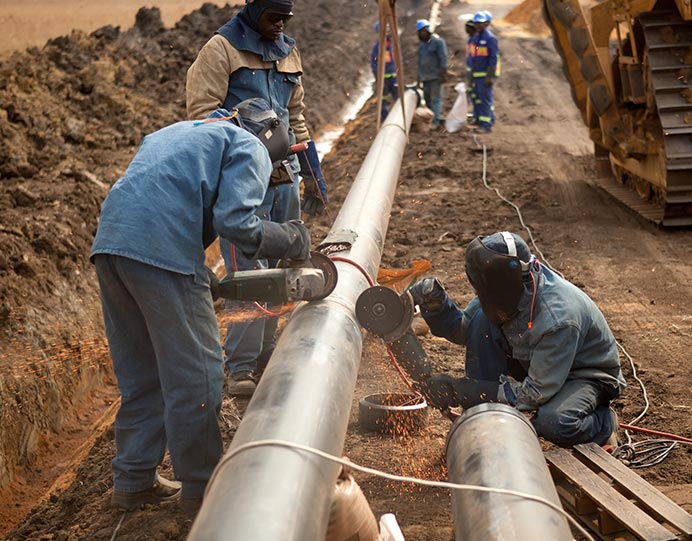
{"x": 429, "y": 294}
{"x": 489, "y": 81}
{"x": 213, "y": 283}
{"x": 289, "y": 240}
{"x": 443, "y": 391}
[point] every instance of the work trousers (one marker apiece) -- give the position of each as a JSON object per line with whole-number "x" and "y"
{"x": 165, "y": 347}
{"x": 577, "y": 413}
{"x": 432, "y": 93}
{"x": 250, "y": 336}
{"x": 483, "y": 104}
{"x": 390, "y": 94}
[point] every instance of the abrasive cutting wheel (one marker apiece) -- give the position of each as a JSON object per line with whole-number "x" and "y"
{"x": 383, "y": 311}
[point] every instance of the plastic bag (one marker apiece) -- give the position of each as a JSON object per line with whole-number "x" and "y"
{"x": 422, "y": 119}
{"x": 457, "y": 116}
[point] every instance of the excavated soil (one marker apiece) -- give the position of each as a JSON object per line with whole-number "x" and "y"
{"x": 71, "y": 115}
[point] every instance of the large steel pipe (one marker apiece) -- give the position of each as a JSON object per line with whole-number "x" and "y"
{"x": 495, "y": 446}
{"x": 272, "y": 492}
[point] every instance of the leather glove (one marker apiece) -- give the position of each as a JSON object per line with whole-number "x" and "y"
{"x": 315, "y": 193}
{"x": 443, "y": 391}
{"x": 489, "y": 81}
{"x": 289, "y": 240}
{"x": 213, "y": 284}
{"x": 429, "y": 294}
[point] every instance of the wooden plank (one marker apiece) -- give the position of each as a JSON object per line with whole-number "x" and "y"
{"x": 650, "y": 497}
{"x": 629, "y": 515}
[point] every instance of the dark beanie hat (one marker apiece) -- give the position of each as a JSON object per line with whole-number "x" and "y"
{"x": 257, "y": 7}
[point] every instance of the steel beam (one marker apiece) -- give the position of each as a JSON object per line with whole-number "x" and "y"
{"x": 305, "y": 395}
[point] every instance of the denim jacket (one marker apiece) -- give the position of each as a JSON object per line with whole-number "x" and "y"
{"x": 187, "y": 184}
{"x": 568, "y": 339}
{"x": 432, "y": 58}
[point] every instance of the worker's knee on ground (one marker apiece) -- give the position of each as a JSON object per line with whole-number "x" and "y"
{"x": 563, "y": 428}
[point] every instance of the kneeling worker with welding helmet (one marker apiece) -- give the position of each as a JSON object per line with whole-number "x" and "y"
{"x": 533, "y": 340}
{"x": 188, "y": 183}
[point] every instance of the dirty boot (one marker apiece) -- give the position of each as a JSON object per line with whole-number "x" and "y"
{"x": 162, "y": 491}
{"x": 241, "y": 384}
{"x": 613, "y": 441}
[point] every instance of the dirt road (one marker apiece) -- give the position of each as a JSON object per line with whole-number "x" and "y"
{"x": 539, "y": 157}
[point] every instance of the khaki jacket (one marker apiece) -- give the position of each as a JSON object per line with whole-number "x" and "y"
{"x": 207, "y": 81}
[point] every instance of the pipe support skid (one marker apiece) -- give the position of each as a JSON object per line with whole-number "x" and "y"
{"x": 495, "y": 446}
{"x": 273, "y": 492}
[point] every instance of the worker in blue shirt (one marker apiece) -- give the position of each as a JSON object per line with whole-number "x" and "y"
{"x": 432, "y": 67}
{"x": 483, "y": 59}
{"x": 187, "y": 184}
{"x": 390, "y": 91}
{"x": 533, "y": 340}
{"x": 251, "y": 56}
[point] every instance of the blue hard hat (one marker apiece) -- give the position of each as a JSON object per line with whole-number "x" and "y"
{"x": 488, "y": 15}
{"x": 422, "y": 23}
{"x": 480, "y": 17}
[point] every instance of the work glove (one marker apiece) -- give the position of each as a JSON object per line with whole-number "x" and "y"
{"x": 429, "y": 294}
{"x": 443, "y": 391}
{"x": 315, "y": 187}
{"x": 213, "y": 284}
{"x": 489, "y": 81}
{"x": 289, "y": 240}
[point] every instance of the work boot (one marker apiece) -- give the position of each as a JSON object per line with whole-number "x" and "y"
{"x": 613, "y": 441}
{"x": 241, "y": 383}
{"x": 162, "y": 491}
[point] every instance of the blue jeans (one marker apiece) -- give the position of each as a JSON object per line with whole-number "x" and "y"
{"x": 578, "y": 413}
{"x": 253, "y": 336}
{"x": 165, "y": 346}
{"x": 432, "y": 92}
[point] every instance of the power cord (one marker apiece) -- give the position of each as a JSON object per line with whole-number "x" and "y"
{"x": 399, "y": 478}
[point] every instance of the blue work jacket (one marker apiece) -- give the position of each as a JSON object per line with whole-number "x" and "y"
{"x": 432, "y": 58}
{"x": 275, "y": 86}
{"x": 482, "y": 54}
{"x": 187, "y": 184}
{"x": 568, "y": 338}
{"x": 389, "y": 64}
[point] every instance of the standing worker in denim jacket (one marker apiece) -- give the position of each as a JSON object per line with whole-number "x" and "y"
{"x": 187, "y": 184}
{"x": 250, "y": 56}
{"x": 390, "y": 91}
{"x": 483, "y": 57}
{"x": 432, "y": 67}
{"x": 533, "y": 340}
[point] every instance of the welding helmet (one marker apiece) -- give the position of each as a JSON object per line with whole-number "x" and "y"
{"x": 422, "y": 23}
{"x": 481, "y": 17}
{"x": 256, "y": 116}
{"x": 496, "y": 266}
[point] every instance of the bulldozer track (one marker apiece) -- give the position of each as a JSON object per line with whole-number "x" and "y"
{"x": 669, "y": 57}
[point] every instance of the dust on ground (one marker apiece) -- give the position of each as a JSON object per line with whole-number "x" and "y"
{"x": 538, "y": 156}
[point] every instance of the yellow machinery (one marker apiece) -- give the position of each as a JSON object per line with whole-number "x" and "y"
{"x": 629, "y": 63}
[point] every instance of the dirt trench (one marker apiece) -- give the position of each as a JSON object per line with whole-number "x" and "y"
{"x": 538, "y": 156}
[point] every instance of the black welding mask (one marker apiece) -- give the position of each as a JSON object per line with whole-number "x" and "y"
{"x": 256, "y": 116}
{"x": 495, "y": 266}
